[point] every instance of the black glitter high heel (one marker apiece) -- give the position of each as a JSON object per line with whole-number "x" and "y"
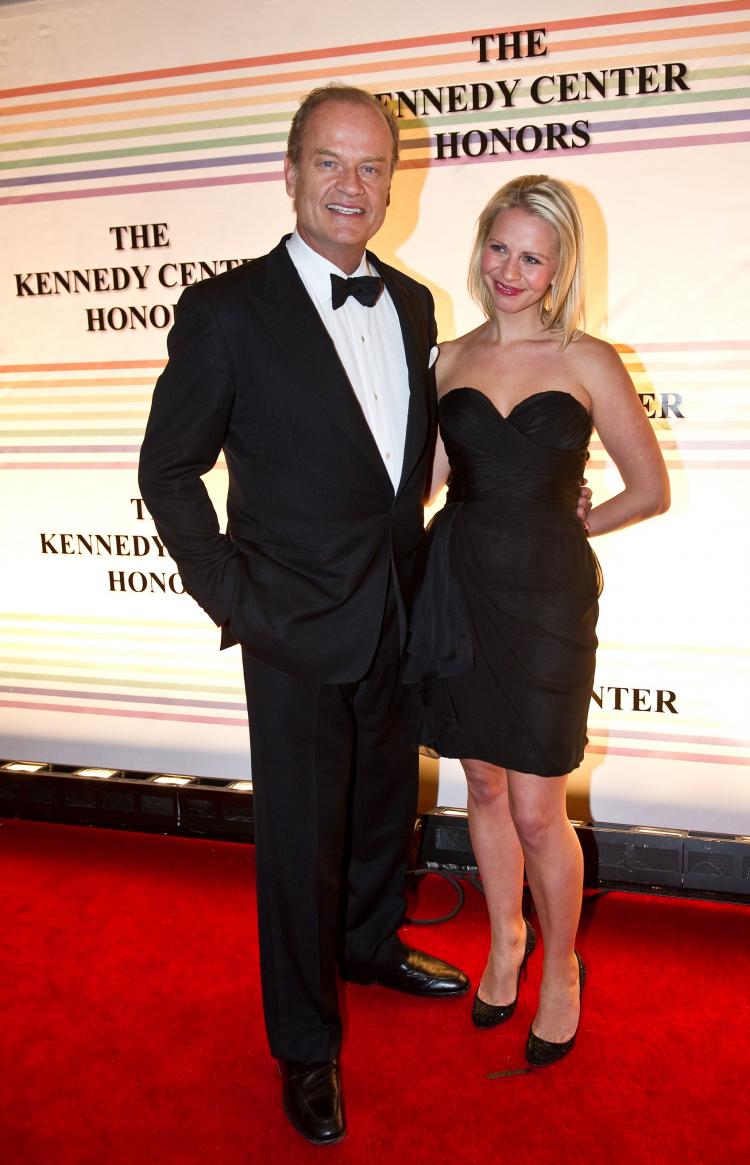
{"x": 541, "y": 1052}
{"x": 487, "y": 1014}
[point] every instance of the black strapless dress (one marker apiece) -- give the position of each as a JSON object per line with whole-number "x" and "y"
{"x": 503, "y": 636}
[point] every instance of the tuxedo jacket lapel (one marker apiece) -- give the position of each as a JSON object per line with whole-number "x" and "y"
{"x": 417, "y": 427}
{"x": 293, "y": 319}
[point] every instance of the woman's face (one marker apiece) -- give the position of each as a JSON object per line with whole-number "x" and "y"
{"x": 519, "y": 260}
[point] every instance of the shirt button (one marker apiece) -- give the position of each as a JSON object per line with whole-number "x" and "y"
{"x": 387, "y": 456}
{"x": 375, "y": 395}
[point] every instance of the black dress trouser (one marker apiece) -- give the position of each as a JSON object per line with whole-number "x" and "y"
{"x": 334, "y": 800}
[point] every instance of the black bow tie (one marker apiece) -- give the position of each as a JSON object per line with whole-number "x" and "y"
{"x": 365, "y": 288}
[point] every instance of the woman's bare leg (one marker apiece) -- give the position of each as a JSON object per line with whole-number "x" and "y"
{"x": 554, "y": 869}
{"x": 500, "y": 861}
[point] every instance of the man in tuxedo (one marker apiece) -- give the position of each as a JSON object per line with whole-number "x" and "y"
{"x": 309, "y": 367}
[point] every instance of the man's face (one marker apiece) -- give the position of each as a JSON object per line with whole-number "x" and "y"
{"x": 341, "y": 186}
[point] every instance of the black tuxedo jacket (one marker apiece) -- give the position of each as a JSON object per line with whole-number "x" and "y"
{"x": 314, "y": 525}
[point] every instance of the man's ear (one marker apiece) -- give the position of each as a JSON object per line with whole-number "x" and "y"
{"x": 290, "y": 176}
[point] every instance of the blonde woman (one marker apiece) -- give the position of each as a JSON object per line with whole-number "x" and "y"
{"x": 503, "y": 640}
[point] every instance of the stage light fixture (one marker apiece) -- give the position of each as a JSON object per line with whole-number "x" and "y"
{"x": 615, "y": 855}
{"x": 173, "y": 803}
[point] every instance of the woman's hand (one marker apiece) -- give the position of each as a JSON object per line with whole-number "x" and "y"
{"x": 583, "y": 509}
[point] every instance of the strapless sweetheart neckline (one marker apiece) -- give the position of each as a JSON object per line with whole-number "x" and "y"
{"x": 519, "y": 404}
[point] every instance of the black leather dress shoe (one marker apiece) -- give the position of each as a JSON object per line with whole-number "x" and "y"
{"x": 311, "y": 1095}
{"x": 417, "y": 974}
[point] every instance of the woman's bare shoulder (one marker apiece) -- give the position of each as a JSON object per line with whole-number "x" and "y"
{"x": 452, "y": 352}
{"x": 591, "y": 354}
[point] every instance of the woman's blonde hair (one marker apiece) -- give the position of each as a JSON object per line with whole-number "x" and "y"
{"x": 562, "y": 309}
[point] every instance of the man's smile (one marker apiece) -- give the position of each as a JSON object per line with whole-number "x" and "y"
{"x": 339, "y": 209}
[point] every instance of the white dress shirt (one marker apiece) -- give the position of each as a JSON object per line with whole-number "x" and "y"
{"x": 370, "y": 346}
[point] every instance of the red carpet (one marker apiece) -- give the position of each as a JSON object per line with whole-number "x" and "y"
{"x": 131, "y": 1031}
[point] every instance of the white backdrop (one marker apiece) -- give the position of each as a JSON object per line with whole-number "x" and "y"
{"x": 131, "y": 115}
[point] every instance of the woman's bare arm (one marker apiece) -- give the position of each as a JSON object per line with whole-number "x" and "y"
{"x": 627, "y": 437}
